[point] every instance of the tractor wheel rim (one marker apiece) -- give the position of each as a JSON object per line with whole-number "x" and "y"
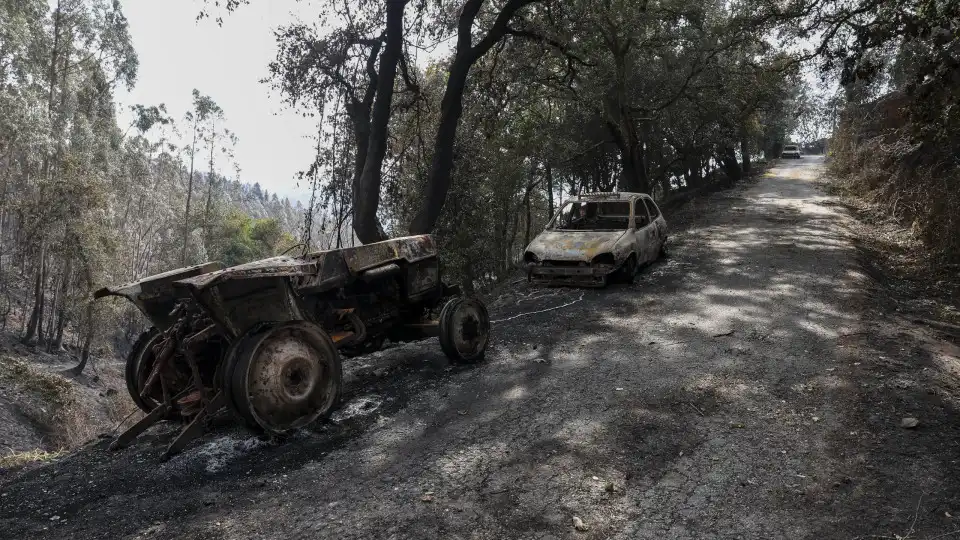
{"x": 289, "y": 380}
{"x": 471, "y": 328}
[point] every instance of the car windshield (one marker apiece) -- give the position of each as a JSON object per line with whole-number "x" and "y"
{"x": 593, "y": 216}
{"x": 790, "y": 148}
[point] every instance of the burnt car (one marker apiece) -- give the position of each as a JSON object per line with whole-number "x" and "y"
{"x": 790, "y": 151}
{"x": 596, "y": 238}
{"x": 265, "y": 339}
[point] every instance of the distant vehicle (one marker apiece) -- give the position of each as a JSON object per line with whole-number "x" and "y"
{"x": 790, "y": 151}
{"x": 595, "y": 238}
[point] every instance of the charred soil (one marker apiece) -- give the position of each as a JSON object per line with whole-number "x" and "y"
{"x": 751, "y": 385}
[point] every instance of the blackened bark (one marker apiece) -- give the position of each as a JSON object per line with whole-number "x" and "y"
{"x": 358, "y": 110}
{"x": 451, "y": 106}
{"x": 61, "y": 315}
{"x": 549, "y": 173}
{"x": 35, "y": 313}
{"x": 87, "y": 340}
{"x": 367, "y": 190}
{"x": 633, "y": 175}
{"x": 745, "y": 155}
{"x": 728, "y": 161}
{"x": 438, "y": 183}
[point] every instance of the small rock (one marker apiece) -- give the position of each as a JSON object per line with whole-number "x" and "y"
{"x": 579, "y": 525}
{"x": 609, "y": 487}
{"x": 595, "y": 478}
{"x": 54, "y": 518}
{"x": 909, "y": 422}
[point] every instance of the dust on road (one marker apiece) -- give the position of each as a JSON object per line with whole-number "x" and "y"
{"x": 735, "y": 390}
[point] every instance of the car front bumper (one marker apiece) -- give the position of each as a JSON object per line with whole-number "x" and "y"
{"x": 591, "y": 276}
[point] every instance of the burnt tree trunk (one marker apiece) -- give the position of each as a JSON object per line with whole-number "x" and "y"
{"x": 36, "y": 314}
{"x": 549, "y": 174}
{"x": 451, "y": 106}
{"x": 745, "y": 155}
{"x": 87, "y": 340}
{"x": 61, "y": 314}
{"x": 35, "y": 326}
{"x": 358, "y": 110}
{"x": 728, "y": 161}
{"x": 633, "y": 174}
{"x": 367, "y": 189}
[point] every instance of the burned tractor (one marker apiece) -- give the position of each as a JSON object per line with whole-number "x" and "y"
{"x": 265, "y": 339}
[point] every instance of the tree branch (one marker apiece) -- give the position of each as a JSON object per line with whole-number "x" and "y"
{"x": 556, "y": 44}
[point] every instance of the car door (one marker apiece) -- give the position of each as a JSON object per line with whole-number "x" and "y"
{"x": 659, "y": 223}
{"x": 644, "y": 232}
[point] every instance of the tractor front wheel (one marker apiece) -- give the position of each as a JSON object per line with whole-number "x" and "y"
{"x": 464, "y": 330}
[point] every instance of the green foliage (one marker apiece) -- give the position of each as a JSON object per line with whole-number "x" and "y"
{"x": 87, "y": 203}
{"x": 243, "y": 239}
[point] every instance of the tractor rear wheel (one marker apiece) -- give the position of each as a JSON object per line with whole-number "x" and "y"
{"x": 283, "y": 376}
{"x": 131, "y": 373}
{"x": 137, "y": 371}
{"x": 464, "y": 330}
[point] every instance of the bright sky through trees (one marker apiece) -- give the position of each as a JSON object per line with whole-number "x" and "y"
{"x": 178, "y": 54}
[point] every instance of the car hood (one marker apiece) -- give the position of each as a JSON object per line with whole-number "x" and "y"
{"x": 574, "y": 245}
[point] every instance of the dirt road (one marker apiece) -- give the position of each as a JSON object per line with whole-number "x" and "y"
{"x": 750, "y": 386}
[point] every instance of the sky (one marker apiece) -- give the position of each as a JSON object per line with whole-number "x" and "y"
{"x": 178, "y": 53}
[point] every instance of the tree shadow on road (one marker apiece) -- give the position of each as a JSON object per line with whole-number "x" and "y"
{"x": 733, "y": 389}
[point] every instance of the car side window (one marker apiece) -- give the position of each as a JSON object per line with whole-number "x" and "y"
{"x": 640, "y": 211}
{"x": 652, "y": 208}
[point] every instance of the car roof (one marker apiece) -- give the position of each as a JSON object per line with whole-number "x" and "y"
{"x": 609, "y": 196}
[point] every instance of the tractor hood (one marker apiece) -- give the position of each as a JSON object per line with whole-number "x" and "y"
{"x": 574, "y": 245}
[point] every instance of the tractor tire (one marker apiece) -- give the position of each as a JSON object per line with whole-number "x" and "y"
{"x": 464, "y": 330}
{"x": 282, "y": 377}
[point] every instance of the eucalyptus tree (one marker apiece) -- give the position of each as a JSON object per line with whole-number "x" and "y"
{"x": 203, "y": 118}
{"x": 88, "y": 52}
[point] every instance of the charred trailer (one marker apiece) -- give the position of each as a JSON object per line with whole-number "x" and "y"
{"x": 265, "y": 339}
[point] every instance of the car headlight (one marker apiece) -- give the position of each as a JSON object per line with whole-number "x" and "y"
{"x": 531, "y": 258}
{"x": 604, "y": 258}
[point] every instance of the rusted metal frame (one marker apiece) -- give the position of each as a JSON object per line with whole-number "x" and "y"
{"x": 345, "y": 338}
{"x": 135, "y": 430}
{"x": 166, "y": 347}
{"x": 410, "y": 248}
{"x": 187, "y": 349}
{"x": 212, "y": 302}
{"x": 144, "y": 423}
{"x": 294, "y": 302}
{"x": 197, "y": 426}
{"x": 165, "y": 277}
{"x": 427, "y": 328}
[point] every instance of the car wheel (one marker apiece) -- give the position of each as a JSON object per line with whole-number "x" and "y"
{"x": 663, "y": 250}
{"x": 627, "y": 271}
